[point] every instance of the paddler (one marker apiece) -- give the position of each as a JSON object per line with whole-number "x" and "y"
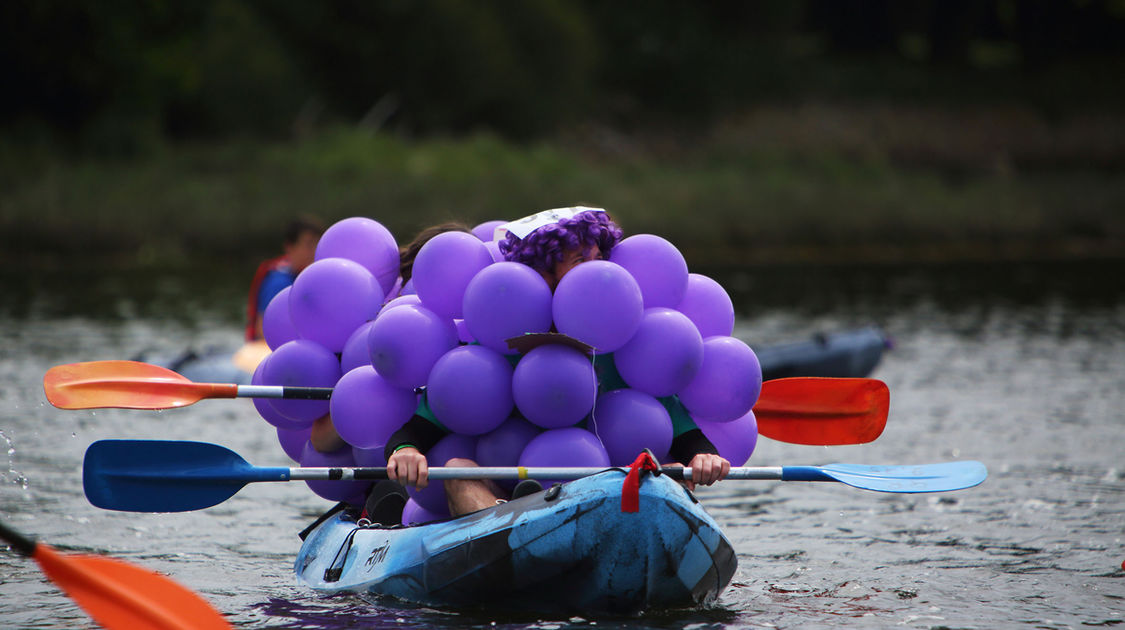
{"x": 552, "y": 243}
{"x": 273, "y": 275}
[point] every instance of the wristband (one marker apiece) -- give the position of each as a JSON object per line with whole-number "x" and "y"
{"x": 402, "y": 446}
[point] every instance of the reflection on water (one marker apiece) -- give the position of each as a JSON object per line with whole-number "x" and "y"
{"x": 1017, "y": 365}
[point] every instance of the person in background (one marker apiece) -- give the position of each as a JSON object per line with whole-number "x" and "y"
{"x": 273, "y": 275}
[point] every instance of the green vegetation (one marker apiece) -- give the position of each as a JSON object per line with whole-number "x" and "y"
{"x": 755, "y": 189}
{"x": 160, "y": 133}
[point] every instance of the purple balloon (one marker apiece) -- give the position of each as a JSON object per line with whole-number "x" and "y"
{"x": 494, "y": 251}
{"x": 301, "y": 363}
{"x": 554, "y": 386}
{"x": 293, "y": 441}
{"x": 277, "y": 326}
{"x": 735, "y": 440}
{"x": 463, "y": 333}
{"x": 502, "y": 446}
{"x": 414, "y": 514}
{"x": 432, "y": 497}
{"x": 366, "y": 242}
{"x": 331, "y": 298}
{"x": 355, "y": 351}
{"x": 658, "y": 267}
{"x": 369, "y": 457}
{"x": 486, "y": 231}
{"x": 707, "y": 304}
{"x": 352, "y": 492}
{"x": 470, "y": 390}
{"x": 565, "y": 447}
{"x": 408, "y": 289}
{"x": 598, "y": 303}
{"x": 663, "y": 356}
{"x": 728, "y": 383}
{"x": 629, "y": 421}
{"x": 443, "y": 268}
{"x": 406, "y": 341}
{"x": 366, "y": 409}
{"x": 266, "y": 410}
{"x": 505, "y": 300}
{"x": 402, "y": 300}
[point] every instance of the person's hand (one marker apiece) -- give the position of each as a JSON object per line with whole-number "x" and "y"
{"x": 408, "y": 466}
{"x": 706, "y": 469}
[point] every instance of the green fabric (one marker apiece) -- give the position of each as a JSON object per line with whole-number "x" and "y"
{"x": 427, "y": 413}
{"x": 609, "y": 379}
{"x": 681, "y": 420}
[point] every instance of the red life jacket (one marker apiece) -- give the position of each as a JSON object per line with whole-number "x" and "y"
{"x": 273, "y": 264}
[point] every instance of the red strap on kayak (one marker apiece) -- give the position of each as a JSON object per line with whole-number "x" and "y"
{"x": 631, "y": 489}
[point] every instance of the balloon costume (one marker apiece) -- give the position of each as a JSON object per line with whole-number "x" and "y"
{"x": 628, "y": 352}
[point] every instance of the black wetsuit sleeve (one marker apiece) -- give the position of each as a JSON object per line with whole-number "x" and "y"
{"x": 417, "y": 432}
{"x": 689, "y": 444}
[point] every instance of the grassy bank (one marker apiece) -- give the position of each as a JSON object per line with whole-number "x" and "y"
{"x": 778, "y": 184}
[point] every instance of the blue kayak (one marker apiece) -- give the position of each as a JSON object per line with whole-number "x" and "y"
{"x": 570, "y": 549}
{"x": 847, "y": 354}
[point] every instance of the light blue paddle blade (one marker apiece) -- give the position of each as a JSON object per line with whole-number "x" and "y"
{"x": 166, "y": 476}
{"x": 907, "y": 479}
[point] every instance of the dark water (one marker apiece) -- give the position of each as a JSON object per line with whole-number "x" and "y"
{"x": 1021, "y": 366}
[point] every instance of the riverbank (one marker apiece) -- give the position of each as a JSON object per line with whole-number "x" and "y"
{"x": 841, "y": 183}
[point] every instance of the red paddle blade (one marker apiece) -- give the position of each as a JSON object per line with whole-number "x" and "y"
{"x": 823, "y": 411}
{"x": 127, "y": 385}
{"x": 119, "y": 595}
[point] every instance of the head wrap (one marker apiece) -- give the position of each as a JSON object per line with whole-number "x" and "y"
{"x": 541, "y": 240}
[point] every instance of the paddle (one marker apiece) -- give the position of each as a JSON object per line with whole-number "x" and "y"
{"x": 823, "y": 411}
{"x": 168, "y": 476}
{"x": 116, "y": 594}
{"x": 800, "y": 410}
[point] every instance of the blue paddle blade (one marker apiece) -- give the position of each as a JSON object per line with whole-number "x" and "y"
{"x": 166, "y": 476}
{"x": 904, "y": 479}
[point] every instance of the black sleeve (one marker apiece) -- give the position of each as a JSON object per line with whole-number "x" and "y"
{"x": 417, "y": 432}
{"x": 689, "y": 444}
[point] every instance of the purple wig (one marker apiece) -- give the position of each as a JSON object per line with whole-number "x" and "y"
{"x": 544, "y": 248}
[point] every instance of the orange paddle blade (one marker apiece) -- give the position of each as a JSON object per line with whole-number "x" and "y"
{"x": 127, "y": 385}
{"x": 823, "y": 411}
{"x": 119, "y": 595}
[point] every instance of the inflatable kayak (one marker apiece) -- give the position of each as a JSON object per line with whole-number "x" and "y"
{"x": 852, "y": 353}
{"x": 570, "y": 548}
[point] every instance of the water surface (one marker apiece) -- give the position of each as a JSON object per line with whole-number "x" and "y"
{"x": 1020, "y": 366}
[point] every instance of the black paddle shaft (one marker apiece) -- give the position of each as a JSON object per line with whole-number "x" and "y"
{"x": 20, "y": 544}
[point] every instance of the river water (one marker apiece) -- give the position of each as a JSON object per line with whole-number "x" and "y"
{"x": 1018, "y": 365}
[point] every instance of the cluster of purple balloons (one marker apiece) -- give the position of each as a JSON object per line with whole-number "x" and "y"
{"x": 345, "y": 323}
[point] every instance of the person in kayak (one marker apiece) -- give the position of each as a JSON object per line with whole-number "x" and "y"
{"x": 273, "y": 275}
{"x": 552, "y": 245}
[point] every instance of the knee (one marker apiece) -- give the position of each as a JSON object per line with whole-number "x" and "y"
{"x": 461, "y": 462}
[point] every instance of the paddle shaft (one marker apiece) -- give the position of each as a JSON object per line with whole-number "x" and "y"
{"x": 21, "y": 544}
{"x": 278, "y": 391}
{"x": 782, "y": 473}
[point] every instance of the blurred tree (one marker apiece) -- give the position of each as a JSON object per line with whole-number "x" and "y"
{"x": 117, "y": 77}
{"x": 517, "y": 67}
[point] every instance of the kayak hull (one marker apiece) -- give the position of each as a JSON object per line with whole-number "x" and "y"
{"x": 567, "y": 550}
{"x": 847, "y": 354}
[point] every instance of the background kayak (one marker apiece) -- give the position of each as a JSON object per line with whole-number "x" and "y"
{"x": 848, "y": 353}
